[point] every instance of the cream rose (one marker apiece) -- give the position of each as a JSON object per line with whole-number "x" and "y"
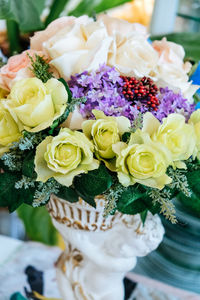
{"x": 83, "y": 44}
{"x": 64, "y": 157}
{"x": 174, "y": 133}
{"x": 35, "y": 105}
{"x": 142, "y": 161}
{"x": 9, "y": 131}
{"x": 104, "y": 132}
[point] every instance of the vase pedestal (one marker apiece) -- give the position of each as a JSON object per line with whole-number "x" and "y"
{"x": 99, "y": 251}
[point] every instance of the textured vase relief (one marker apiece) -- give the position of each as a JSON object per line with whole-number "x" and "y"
{"x": 99, "y": 251}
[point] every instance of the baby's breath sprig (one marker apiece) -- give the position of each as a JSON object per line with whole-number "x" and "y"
{"x": 44, "y": 191}
{"x": 29, "y": 141}
{"x": 111, "y": 196}
{"x": 25, "y": 183}
{"x": 163, "y": 198}
{"x": 137, "y": 122}
{"x": 13, "y": 160}
{"x": 40, "y": 68}
{"x": 179, "y": 181}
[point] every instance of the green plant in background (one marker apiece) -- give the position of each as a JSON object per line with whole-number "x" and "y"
{"x": 24, "y": 16}
{"x": 38, "y": 224}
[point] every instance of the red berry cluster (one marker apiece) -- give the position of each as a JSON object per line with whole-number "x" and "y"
{"x": 143, "y": 90}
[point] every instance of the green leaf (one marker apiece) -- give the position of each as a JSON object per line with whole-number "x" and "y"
{"x": 8, "y": 195}
{"x": 126, "y": 137}
{"x": 28, "y": 166}
{"x": 192, "y": 203}
{"x": 89, "y": 7}
{"x": 68, "y": 194}
{"x": 193, "y": 179}
{"x": 93, "y": 183}
{"x": 67, "y": 89}
{"x": 13, "y": 37}
{"x": 56, "y": 8}
{"x": 25, "y": 13}
{"x": 143, "y": 216}
{"x": 189, "y": 40}
{"x": 130, "y": 201}
{"x": 38, "y": 224}
{"x": 11, "y": 197}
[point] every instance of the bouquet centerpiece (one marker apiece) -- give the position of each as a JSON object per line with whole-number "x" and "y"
{"x": 94, "y": 111}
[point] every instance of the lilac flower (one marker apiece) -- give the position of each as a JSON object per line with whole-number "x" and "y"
{"x": 103, "y": 90}
{"x": 173, "y": 103}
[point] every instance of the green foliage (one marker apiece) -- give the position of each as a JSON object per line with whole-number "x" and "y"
{"x": 189, "y": 40}
{"x": 89, "y": 7}
{"x": 179, "y": 181}
{"x": 87, "y": 185}
{"x": 28, "y": 166}
{"x": 193, "y": 202}
{"x": 12, "y": 160}
{"x": 43, "y": 192}
{"x": 40, "y": 68}
{"x": 29, "y": 140}
{"x": 137, "y": 122}
{"x": 163, "y": 198}
{"x": 126, "y": 137}
{"x": 56, "y": 8}
{"x": 38, "y": 224}
{"x": 68, "y": 194}
{"x": 111, "y": 196}
{"x": 143, "y": 216}
{"x": 131, "y": 201}
{"x": 67, "y": 88}
{"x": 10, "y": 196}
{"x": 25, "y": 13}
{"x": 72, "y": 102}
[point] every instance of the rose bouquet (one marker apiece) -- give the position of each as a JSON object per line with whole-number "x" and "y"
{"x": 94, "y": 108}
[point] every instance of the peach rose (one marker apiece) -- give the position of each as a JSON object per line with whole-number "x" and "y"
{"x": 16, "y": 68}
{"x": 171, "y": 69}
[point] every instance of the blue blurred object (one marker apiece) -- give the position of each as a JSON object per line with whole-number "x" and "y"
{"x": 196, "y": 76}
{"x": 197, "y": 106}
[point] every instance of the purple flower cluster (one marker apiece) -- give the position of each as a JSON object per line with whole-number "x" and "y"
{"x": 172, "y": 103}
{"x": 103, "y": 91}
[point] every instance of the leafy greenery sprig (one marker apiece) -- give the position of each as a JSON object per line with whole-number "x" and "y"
{"x": 40, "y": 68}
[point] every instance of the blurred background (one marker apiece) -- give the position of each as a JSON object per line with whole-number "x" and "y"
{"x": 180, "y": 22}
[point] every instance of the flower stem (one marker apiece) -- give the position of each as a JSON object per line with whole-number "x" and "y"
{"x": 13, "y": 36}
{"x": 56, "y": 8}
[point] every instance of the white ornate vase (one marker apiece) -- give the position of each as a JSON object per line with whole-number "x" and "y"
{"x": 99, "y": 251}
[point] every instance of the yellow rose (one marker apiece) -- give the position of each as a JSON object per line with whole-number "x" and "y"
{"x": 195, "y": 121}
{"x": 64, "y": 156}
{"x": 142, "y": 161}
{"x": 9, "y": 131}
{"x": 174, "y": 133}
{"x": 104, "y": 132}
{"x": 3, "y": 93}
{"x": 35, "y": 105}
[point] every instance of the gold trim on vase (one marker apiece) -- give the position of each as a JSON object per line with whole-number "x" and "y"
{"x": 80, "y": 215}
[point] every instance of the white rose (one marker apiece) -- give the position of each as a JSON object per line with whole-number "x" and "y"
{"x": 79, "y": 47}
{"x": 134, "y": 57}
